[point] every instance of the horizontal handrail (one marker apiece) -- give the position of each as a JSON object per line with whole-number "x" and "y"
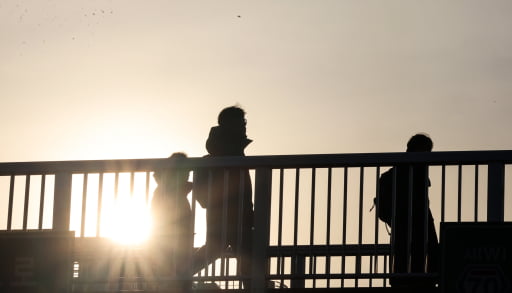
{"x": 330, "y": 250}
{"x": 273, "y": 161}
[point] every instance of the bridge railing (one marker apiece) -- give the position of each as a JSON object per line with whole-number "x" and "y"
{"x": 314, "y": 225}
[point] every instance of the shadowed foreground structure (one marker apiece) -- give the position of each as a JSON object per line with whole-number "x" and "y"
{"x": 314, "y": 226}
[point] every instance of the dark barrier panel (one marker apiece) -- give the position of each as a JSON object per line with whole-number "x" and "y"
{"x": 477, "y": 257}
{"x": 36, "y": 261}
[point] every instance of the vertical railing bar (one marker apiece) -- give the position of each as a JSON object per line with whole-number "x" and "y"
{"x": 177, "y": 184}
{"x": 386, "y": 260}
{"x": 426, "y": 209}
{"x": 147, "y": 185}
{"x": 147, "y": 202}
{"x": 297, "y": 261}
{"x": 84, "y": 203}
{"x": 173, "y": 185}
{"x": 290, "y": 260}
{"x": 377, "y": 190}
{"x": 313, "y": 262}
{"x": 384, "y": 269}
{"x": 116, "y": 185}
{"x": 476, "y": 192}
{"x": 443, "y": 192}
{"x": 224, "y": 224}
{"x": 262, "y": 203}
{"x": 240, "y": 222}
{"x": 459, "y": 194}
{"x": 282, "y": 271}
{"x": 194, "y": 208}
{"x": 328, "y": 230}
{"x": 209, "y": 207}
{"x": 280, "y": 260}
{"x": 392, "y": 254}
{"x": 41, "y": 201}
{"x": 192, "y": 226}
{"x": 100, "y": 205}
{"x": 496, "y": 191}
{"x": 344, "y": 224}
{"x": 132, "y": 183}
{"x": 374, "y": 265}
{"x": 27, "y": 198}
{"x": 62, "y": 201}
{"x": 360, "y": 224}
{"x": 312, "y": 224}
{"x": 409, "y": 218}
{"x": 173, "y": 241}
{"x": 11, "y": 203}
{"x": 296, "y": 213}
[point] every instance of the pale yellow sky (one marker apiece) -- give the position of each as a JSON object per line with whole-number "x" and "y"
{"x": 142, "y": 79}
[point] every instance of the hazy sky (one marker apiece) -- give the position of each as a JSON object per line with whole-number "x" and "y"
{"x": 142, "y": 79}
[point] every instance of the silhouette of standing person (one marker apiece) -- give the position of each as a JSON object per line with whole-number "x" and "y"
{"x": 172, "y": 225}
{"x": 229, "y": 207}
{"x": 415, "y": 245}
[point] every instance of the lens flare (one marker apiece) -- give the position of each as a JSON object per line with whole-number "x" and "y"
{"x": 130, "y": 222}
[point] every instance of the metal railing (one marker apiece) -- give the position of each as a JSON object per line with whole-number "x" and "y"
{"x": 314, "y": 226}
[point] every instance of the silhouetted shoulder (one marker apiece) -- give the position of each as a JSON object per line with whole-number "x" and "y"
{"x": 224, "y": 141}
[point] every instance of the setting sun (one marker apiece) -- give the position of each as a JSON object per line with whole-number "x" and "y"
{"x": 130, "y": 222}
{"x": 120, "y": 208}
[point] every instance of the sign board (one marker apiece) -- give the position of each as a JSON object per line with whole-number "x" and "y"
{"x": 36, "y": 261}
{"x": 476, "y": 257}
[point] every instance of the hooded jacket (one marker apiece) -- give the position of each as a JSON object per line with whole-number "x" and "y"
{"x": 237, "y": 195}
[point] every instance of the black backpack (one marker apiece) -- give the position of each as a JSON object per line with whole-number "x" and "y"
{"x": 383, "y": 200}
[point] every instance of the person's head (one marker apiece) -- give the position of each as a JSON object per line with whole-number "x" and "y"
{"x": 420, "y": 143}
{"x": 232, "y": 117}
{"x": 181, "y": 176}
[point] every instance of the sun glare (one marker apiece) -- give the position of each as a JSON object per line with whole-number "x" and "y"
{"x": 130, "y": 223}
{"x": 125, "y": 215}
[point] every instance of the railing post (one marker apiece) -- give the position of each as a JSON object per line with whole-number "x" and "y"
{"x": 261, "y": 234}
{"x": 496, "y": 192}
{"x": 298, "y": 269}
{"x": 62, "y": 202}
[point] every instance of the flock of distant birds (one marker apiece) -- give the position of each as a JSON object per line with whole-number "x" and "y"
{"x": 25, "y": 12}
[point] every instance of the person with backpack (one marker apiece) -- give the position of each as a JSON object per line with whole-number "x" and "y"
{"x": 414, "y": 238}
